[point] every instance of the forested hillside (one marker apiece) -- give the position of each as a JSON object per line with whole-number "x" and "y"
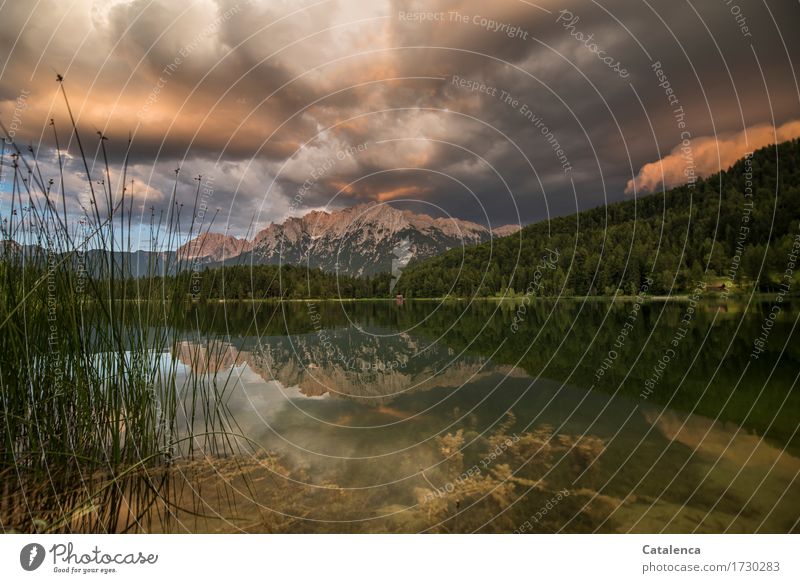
{"x": 721, "y": 229}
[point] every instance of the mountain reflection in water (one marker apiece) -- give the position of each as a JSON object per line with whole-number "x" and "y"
{"x": 437, "y": 418}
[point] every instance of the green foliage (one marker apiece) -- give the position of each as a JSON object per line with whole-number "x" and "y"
{"x": 258, "y": 282}
{"x": 89, "y": 407}
{"x": 676, "y": 238}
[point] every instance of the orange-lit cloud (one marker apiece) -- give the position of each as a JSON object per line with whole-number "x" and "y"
{"x": 400, "y": 192}
{"x": 708, "y": 155}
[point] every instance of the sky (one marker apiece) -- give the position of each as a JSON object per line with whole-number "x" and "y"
{"x": 497, "y": 112}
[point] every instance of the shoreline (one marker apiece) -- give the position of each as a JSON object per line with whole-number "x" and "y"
{"x": 683, "y": 297}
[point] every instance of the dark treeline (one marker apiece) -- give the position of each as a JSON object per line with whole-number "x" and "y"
{"x": 237, "y": 282}
{"x": 721, "y": 228}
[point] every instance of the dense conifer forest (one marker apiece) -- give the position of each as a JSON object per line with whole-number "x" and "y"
{"x": 735, "y": 228}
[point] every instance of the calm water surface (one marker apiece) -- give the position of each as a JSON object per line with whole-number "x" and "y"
{"x": 562, "y": 416}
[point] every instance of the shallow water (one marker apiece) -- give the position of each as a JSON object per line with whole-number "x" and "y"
{"x": 497, "y": 417}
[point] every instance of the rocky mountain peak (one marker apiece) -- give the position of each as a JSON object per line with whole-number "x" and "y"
{"x": 213, "y": 247}
{"x": 358, "y": 240}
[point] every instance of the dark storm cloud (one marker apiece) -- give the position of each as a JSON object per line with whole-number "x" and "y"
{"x": 266, "y": 96}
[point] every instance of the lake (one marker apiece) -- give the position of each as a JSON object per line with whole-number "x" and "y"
{"x": 562, "y": 416}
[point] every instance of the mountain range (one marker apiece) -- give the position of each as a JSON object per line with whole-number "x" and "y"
{"x": 360, "y": 241}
